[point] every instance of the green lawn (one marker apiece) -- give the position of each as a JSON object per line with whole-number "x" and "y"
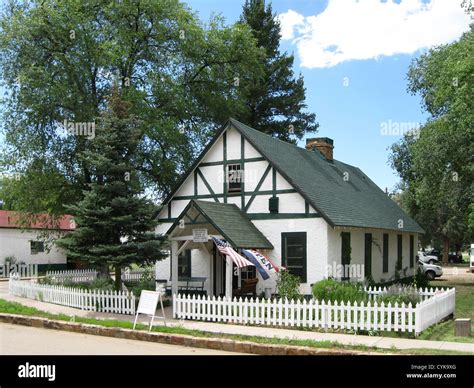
{"x": 444, "y": 331}
{"x": 17, "y": 308}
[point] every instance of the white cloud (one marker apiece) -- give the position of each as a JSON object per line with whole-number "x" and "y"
{"x": 365, "y": 29}
{"x": 289, "y": 20}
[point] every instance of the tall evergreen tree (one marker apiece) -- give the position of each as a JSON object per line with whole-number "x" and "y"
{"x": 115, "y": 221}
{"x": 276, "y": 100}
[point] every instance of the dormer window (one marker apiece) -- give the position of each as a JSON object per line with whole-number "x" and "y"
{"x": 234, "y": 178}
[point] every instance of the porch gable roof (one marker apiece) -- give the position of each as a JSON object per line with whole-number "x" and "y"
{"x": 231, "y": 223}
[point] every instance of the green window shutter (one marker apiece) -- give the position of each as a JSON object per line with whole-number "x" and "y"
{"x": 368, "y": 255}
{"x": 399, "y": 251}
{"x": 385, "y": 253}
{"x": 345, "y": 251}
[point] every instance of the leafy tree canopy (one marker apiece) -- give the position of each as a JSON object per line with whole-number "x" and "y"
{"x": 59, "y": 61}
{"x": 436, "y": 165}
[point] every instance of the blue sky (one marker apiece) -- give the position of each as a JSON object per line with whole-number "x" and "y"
{"x": 354, "y": 57}
{"x": 355, "y": 98}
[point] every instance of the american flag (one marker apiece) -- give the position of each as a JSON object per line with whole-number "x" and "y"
{"x": 226, "y": 249}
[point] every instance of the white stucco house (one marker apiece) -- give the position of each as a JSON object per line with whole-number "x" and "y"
{"x": 300, "y": 207}
{"x": 25, "y": 243}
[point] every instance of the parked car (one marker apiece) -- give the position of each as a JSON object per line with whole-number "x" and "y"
{"x": 471, "y": 258}
{"x": 429, "y": 259}
{"x": 434, "y": 252}
{"x": 431, "y": 271}
{"x": 455, "y": 257}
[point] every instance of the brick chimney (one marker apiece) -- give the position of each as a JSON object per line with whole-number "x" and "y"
{"x": 325, "y": 145}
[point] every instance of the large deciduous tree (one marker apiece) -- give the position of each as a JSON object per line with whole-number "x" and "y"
{"x": 275, "y": 99}
{"x": 59, "y": 60}
{"x": 437, "y": 167}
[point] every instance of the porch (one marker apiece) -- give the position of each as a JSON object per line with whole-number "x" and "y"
{"x": 193, "y": 231}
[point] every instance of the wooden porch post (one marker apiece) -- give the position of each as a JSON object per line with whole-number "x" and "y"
{"x": 174, "y": 267}
{"x": 228, "y": 278}
{"x": 211, "y": 274}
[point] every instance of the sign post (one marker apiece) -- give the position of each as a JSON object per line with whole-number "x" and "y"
{"x": 148, "y": 304}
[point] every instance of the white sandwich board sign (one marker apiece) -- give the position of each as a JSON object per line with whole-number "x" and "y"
{"x": 148, "y": 304}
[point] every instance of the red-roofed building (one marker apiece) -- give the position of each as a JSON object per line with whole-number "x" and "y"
{"x": 22, "y": 241}
{"x": 11, "y": 219}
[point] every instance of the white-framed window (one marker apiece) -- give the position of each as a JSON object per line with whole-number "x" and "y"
{"x": 234, "y": 178}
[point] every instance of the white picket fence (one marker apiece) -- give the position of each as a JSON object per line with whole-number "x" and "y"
{"x": 434, "y": 309}
{"x": 76, "y": 276}
{"x": 316, "y": 314}
{"x": 122, "y": 302}
{"x": 136, "y": 275}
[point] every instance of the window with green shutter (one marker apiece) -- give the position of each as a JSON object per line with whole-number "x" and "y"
{"x": 399, "y": 251}
{"x": 368, "y": 255}
{"x": 345, "y": 252}
{"x": 293, "y": 246}
{"x": 385, "y": 253}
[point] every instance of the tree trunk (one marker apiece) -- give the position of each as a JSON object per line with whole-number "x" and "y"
{"x": 118, "y": 277}
{"x": 445, "y": 249}
{"x": 103, "y": 270}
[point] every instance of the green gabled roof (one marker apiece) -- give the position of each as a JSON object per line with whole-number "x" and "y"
{"x": 231, "y": 223}
{"x": 356, "y": 202}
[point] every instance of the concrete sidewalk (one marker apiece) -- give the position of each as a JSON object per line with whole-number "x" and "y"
{"x": 223, "y": 328}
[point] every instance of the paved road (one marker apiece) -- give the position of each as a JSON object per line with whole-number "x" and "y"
{"x": 456, "y": 273}
{"x": 24, "y": 340}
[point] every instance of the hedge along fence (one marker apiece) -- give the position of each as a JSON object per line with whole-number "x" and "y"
{"x": 424, "y": 294}
{"x": 118, "y": 302}
{"x": 75, "y": 276}
{"x": 316, "y": 314}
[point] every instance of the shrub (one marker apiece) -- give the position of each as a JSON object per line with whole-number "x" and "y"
{"x": 332, "y": 290}
{"x": 398, "y": 293}
{"x": 96, "y": 284}
{"x": 148, "y": 274}
{"x": 10, "y": 260}
{"x": 47, "y": 280}
{"x": 420, "y": 279}
{"x": 143, "y": 285}
{"x": 288, "y": 285}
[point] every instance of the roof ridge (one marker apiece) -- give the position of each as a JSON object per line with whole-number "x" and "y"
{"x": 263, "y": 133}
{"x": 282, "y": 141}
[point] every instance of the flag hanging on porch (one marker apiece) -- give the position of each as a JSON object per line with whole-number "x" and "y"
{"x": 262, "y": 263}
{"x": 226, "y": 249}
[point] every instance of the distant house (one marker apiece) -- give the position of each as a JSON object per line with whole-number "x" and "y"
{"x": 25, "y": 243}
{"x": 300, "y": 207}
